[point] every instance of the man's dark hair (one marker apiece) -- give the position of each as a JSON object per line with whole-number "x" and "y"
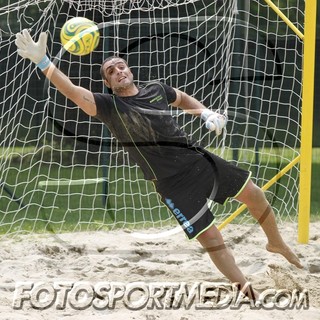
{"x": 103, "y": 76}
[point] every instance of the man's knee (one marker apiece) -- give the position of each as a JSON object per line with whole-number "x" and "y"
{"x": 211, "y": 238}
{"x": 251, "y": 194}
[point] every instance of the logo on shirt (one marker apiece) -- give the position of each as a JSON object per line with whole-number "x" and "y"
{"x": 156, "y": 99}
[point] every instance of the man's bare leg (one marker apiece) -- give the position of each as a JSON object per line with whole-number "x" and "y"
{"x": 261, "y": 210}
{"x": 213, "y": 243}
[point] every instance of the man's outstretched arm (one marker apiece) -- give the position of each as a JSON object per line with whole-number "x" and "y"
{"x": 36, "y": 52}
{"x": 79, "y": 95}
{"x": 214, "y": 120}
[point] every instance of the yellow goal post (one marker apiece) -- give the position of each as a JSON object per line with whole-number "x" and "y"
{"x": 305, "y": 157}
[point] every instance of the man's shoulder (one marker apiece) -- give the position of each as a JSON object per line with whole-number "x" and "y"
{"x": 162, "y": 88}
{"x": 156, "y": 86}
{"x": 103, "y": 95}
{"x": 104, "y": 102}
{"x": 102, "y": 98}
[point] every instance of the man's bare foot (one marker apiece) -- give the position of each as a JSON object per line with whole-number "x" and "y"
{"x": 287, "y": 253}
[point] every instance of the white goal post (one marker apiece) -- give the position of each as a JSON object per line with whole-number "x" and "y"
{"x": 61, "y": 168}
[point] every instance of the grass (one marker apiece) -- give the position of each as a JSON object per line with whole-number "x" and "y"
{"x": 132, "y": 201}
{"x": 75, "y": 208}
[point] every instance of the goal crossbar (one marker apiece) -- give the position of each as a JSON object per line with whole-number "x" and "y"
{"x": 285, "y": 19}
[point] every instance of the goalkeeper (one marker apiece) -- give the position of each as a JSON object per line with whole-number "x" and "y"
{"x": 184, "y": 174}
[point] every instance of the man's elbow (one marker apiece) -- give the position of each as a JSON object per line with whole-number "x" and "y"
{"x": 178, "y": 101}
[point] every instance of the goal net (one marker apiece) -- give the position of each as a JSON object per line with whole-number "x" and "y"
{"x": 61, "y": 170}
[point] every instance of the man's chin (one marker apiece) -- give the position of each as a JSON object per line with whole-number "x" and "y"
{"x": 123, "y": 86}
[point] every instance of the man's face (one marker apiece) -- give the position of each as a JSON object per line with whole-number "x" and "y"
{"x": 118, "y": 74}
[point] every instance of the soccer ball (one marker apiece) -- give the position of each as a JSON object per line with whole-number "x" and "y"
{"x": 79, "y": 36}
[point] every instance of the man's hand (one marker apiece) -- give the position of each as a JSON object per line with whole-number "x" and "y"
{"x": 214, "y": 121}
{"x": 27, "y": 48}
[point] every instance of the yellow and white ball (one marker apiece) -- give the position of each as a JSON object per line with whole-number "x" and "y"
{"x": 79, "y": 36}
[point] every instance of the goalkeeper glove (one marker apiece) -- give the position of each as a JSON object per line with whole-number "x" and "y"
{"x": 35, "y": 51}
{"x": 214, "y": 121}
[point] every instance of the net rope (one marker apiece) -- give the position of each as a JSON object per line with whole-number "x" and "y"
{"x": 243, "y": 61}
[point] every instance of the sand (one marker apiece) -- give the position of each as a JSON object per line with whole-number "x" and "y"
{"x": 116, "y": 257}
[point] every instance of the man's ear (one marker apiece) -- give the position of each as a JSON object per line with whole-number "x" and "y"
{"x": 106, "y": 82}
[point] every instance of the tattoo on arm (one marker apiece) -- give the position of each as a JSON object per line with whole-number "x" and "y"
{"x": 88, "y": 100}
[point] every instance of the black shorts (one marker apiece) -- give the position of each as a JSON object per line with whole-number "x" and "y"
{"x": 186, "y": 193}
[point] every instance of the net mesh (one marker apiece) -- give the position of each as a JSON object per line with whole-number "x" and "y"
{"x": 239, "y": 58}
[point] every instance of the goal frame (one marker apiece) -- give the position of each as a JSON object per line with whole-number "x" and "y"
{"x": 305, "y": 157}
{"x": 307, "y": 120}
{"x": 299, "y": 167}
